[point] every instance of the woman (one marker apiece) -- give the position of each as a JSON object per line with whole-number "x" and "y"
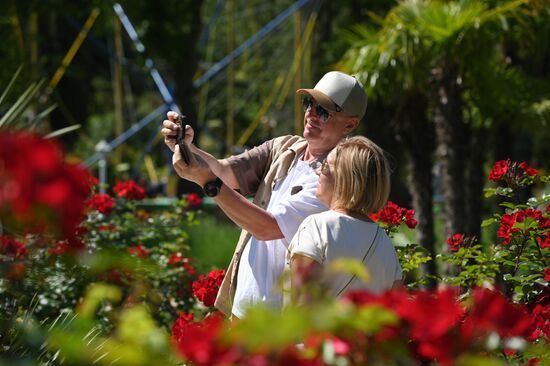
{"x": 354, "y": 181}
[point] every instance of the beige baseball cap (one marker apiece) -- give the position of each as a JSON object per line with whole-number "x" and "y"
{"x": 339, "y": 92}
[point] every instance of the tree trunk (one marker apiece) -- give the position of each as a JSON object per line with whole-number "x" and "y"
{"x": 415, "y": 133}
{"x": 474, "y": 182}
{"x": 450, "y": 137}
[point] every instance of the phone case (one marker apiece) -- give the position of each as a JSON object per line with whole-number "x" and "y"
{"x": 184, "y": 148}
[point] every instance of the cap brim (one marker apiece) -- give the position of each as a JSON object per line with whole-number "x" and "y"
{"x": 319, "y": 97}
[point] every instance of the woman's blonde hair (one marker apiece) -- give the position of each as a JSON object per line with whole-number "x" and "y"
{"x": 361, "y": 176}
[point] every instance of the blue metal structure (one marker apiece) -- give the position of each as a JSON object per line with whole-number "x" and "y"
{"x": 167, "y": 96}
{"x": 269, "y": 27}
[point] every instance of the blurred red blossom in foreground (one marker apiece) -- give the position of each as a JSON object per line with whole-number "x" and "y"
{"x": 38, "y": 189}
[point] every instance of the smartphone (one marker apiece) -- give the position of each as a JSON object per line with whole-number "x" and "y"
{"x": 184, "y": 148}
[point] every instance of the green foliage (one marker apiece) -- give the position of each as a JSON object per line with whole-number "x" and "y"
{"x": 103, "y": 283}
{"x": 411, "y": 257}
{"x": 476, "y": 266}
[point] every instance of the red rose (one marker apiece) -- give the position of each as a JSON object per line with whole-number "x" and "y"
{"x": 455, "y": 241}
{"x": 499, "y": 169}
{"x": 201, "y": 343}
{"x": 38, "y": 189}
{"x": 194, "y": 199}
{"x": 60, "y": 248}
{"x": 129, "y": 189}
{"x": 491, "y": 311}
{"x": 206, "y": 288}
{"x": 528, "y": 170}
{"x": 393, "y": 215}
{"x": 176, "y": 259}
{"x": 544, "y": 242}
{"x": 107, "y": 227}
{"x": 12, "y": 247}
{"x": 16, "y": 271}
{"x": 101, "y": 202}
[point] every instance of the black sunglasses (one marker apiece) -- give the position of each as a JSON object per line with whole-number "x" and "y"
{"x": 323, "y": 114}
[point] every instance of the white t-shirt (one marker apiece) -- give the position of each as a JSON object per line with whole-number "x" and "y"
{"x": 331, "y": 235}
{"x": 263, "y": 262}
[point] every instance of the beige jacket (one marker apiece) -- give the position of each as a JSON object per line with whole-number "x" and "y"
{"x": 257, "y": 171}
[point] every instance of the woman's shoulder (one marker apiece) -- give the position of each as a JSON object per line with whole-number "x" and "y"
{"x": 325, "y": 216}
{"x": 327, "y": 219}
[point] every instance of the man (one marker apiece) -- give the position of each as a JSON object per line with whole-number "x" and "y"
{"x": 280, "y": 174}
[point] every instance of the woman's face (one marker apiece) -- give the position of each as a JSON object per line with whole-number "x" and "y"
{"x": 325, "y": 189}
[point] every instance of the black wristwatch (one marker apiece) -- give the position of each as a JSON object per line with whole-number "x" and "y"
{"x": 212, "y": 188}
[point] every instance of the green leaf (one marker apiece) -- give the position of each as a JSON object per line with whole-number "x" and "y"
{"x": 13, "y": 78}
{"x": 477, "y": 360}
{"x": 351, "y": 266}
{"x": 490, "y": 192}
{"x": 62, "y": 131}
{"x": 509, "y": 205}
{"x": 95, "y": 294}
{"x": 505, "y": 191}
{"x": 488, "y": 222}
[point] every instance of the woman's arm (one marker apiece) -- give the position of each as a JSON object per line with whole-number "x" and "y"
{"x": 304, "y": 274}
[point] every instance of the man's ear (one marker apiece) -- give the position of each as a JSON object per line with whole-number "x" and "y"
{"x": 351, "y": 124}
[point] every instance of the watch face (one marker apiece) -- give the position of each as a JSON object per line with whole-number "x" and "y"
{"x": 211, "y": 189}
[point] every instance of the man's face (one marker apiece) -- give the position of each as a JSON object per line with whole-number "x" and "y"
{"x": 323, "y": 129}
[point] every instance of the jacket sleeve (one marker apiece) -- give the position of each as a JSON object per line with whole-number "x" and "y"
{"x": 249, "y": 167}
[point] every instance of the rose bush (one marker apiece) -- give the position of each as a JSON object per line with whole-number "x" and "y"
{"x": 89, "y": 278}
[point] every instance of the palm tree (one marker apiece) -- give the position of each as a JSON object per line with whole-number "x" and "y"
{"x": 425, "y": 58}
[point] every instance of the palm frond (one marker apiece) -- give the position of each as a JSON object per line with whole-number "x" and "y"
{"x": 10, "y": 84}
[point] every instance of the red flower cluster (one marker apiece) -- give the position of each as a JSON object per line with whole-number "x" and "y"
{"x": 194, "y": 199}
{"x": 60, "y": 247}
{"x": 12, "y": 248}
{"x": 206, "y": 288}
{"x": 129, "y": 189}
{"x": 139, "y": 250}
{"x": 508, "y": 227}
{"x": 106, "y": 228}
{"x": 541, "y": 317}
{"x": 117, "y": 276}
{"x": 176, "y": 259}
{"x": 199, "y": 342}
{"x": 547, "y": 274}
{"x": 456, "y": 329}
{"x": 393, "y": 215}
{"x": 499, "y": 169}
{"x": 455, "y": 241}
{"x": 101, "y": 202}
{"x": 508, "y": 169}
{"x": 38, "y": 190}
